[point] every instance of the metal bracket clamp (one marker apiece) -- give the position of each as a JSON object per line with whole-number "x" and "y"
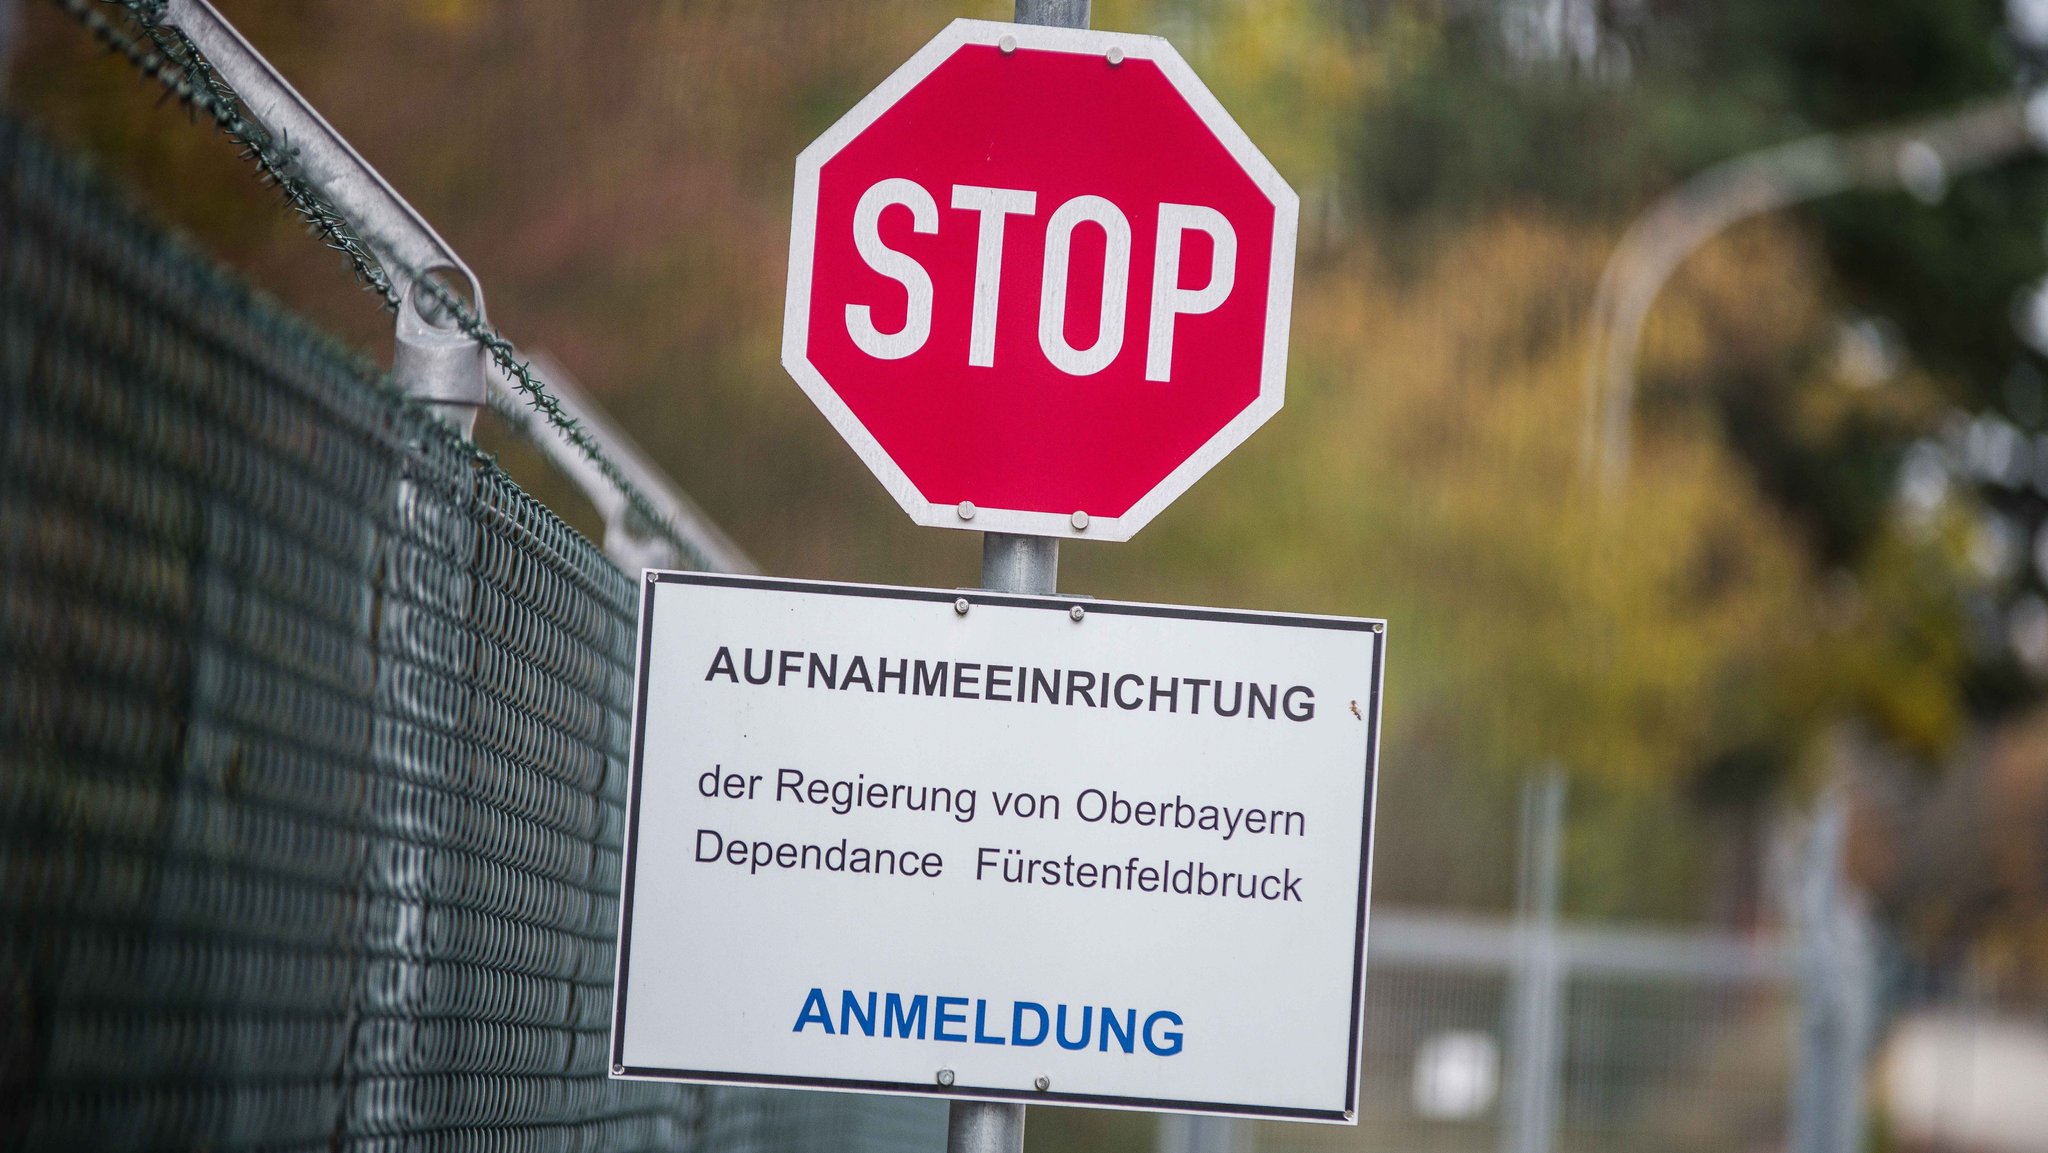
{"x": 435, "y": 360}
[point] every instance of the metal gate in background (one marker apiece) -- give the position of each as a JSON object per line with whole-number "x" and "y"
{"x": 312, "y": 741}
{"x": 1525, "y": 1034}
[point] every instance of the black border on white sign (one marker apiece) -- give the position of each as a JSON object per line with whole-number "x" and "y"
{"x": 651, "y": 578}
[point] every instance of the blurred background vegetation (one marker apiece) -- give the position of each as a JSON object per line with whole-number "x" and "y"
{"x": 1824, "y": 560}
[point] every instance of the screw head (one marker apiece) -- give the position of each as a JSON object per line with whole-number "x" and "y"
{"x": 1077, "y": 612}
{"x": 1007, "y": 44}
{"x": 1041, "y": 1083}
{"x": 961, "y": 606}
{"x": 945, "y": 1076}
{"x": 966, "y": 510}
{"x": 1080, "y": 521}
{"x": 1116, "y": 56}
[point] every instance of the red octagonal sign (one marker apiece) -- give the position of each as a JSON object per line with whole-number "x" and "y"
{"x": 1040, "y": 280}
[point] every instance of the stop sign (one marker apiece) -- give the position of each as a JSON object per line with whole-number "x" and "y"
{"x": 1040, "y": 280}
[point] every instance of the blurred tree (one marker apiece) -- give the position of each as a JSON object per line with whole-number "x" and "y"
{"x": 619, "y": 176}
{"x": 1585, "y": 110}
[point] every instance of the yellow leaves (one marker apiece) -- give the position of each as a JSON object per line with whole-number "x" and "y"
{"x": 1427, "y": 469}
{"x": 1284, "y": 69}
{"x": 1714, "y": 310}
{"x": 1899, "y": 658}
{"x": 446, "y": 14}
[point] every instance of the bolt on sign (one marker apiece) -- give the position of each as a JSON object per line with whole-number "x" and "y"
{"x": 1040, "y": 280}
{"x": 998, "y": 847}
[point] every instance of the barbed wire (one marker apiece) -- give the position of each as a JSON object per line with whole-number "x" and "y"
{"x": 167, "y": 56}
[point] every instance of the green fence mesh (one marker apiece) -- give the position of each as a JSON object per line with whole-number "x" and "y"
{"x": 312, "y": 734}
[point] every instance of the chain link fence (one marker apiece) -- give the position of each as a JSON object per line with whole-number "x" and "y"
{"x": 1526, "y": 1033}
{"x": 1681, "y": 1061}
{"x": 312, "y": 741}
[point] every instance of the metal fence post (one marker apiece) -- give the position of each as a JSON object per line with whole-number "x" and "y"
{"x": 427, "y": 521}
{"x": 1530, "y": 1113}
{"x": 1836, "y": 991}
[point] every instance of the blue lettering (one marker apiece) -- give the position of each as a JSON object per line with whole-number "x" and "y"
{"x": 814, "y": 1010}
{"x": 1087, "y": 1027}
{"x": 1126, "y": 1035}
{"x": 1017, "y": 1023}
{"x": 942, "y": 1018}
{"x": 850, "y": 1014}
{"x": 1172, "y": 1036}
{"x": 981, "y": 1036}
{"x": 1031, "y": 1022}
{"x": 897, "y": 1020}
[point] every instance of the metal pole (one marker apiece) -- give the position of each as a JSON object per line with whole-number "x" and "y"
{"x": 1053, "y": 13}
{"x": 1009, "y": 564}
{"x": 1529, "y": 1121}
{"x": 1836, "y": 991}
{"x": 1186, "y": 1133}
{"x": 985, "y": 1127}
{"x": 1029, "y": 564}
{"x": 1012, "y": 564}
{"x": 1020, "y": 564}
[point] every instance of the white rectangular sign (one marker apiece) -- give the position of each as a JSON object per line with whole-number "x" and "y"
{"x": 968, "y": 844}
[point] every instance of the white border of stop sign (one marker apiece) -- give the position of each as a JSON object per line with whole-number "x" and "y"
{"x": 796, "y": 317}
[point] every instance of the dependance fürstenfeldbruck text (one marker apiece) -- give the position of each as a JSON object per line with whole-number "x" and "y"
{"x": 1186, "y": 878}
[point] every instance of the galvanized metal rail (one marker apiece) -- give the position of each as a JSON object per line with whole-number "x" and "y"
{"x": 438, "y": 360}
{"x": 435, "y": 362}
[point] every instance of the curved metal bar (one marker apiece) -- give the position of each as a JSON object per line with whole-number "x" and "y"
{"x": 436, "y": 362}
{"x": 1685, "y": 218}
{"x": 390, "y": 226}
